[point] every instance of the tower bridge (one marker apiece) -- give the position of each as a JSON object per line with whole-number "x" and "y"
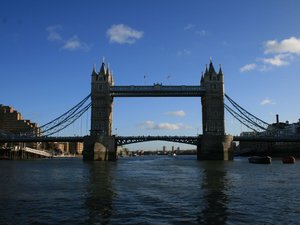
{"x": 214, "y": 144}
{"x": 101, "y": 144}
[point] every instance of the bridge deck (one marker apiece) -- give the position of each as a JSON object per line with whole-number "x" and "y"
{"x": 135, "y": 139}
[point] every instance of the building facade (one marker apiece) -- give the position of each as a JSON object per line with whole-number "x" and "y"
{"x": 12, "y": 121}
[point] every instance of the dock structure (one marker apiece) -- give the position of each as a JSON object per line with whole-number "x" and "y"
{"x": 23, "y": 153}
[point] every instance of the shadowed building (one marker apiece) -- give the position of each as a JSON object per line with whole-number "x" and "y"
{"x": 11, "y": 121}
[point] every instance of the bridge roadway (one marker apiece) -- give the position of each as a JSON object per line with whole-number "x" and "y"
{"x": 123, "y": 140}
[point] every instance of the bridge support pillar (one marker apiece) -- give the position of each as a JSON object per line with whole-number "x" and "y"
{"x": 100, "y": 148}
{"x": 215, "y": 147}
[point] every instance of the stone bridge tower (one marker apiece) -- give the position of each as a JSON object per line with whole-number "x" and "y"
{"x": 100, "y": 145}
{"x": 102, "y": 102}
{"x": 215, "y": 144}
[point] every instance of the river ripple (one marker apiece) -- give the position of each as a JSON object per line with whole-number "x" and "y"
{"x": 149, "y": 190}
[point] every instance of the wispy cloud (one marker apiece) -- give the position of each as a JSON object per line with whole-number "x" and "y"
{"x": 248, "y": 67}
{"x": 183, "y": 52}
{"x": 267, "y": 101}
{"x": 53, "y": 33}
{"x": 123, "y": 34}
{"x": 289, "y": 45}
{"x": 277, "y": 60}
{"x": 189, "y": 26}
{"x": 74, "y": 43}
{"x": 196, "y": 30}
{"x": 71, "y": 44}
{"x": 179, "y": 113}
{"x": 279, "y": 53}
{"x": 151, "y": 125}
{"x": 202, "y": 32}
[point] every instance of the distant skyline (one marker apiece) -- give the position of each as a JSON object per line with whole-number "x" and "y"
{"x": 49, "y": 48}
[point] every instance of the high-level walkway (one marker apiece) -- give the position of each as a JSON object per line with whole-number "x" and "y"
{"x": 157, "y": 90}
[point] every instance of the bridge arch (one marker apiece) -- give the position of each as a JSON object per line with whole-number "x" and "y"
{"x": 125, "y": 140}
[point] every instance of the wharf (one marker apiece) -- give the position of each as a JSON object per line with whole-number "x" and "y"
{"x": 23, "y": 153}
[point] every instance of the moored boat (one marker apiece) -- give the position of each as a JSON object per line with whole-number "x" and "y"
{"x": 288, "y": 159}
{"x": 260, "y": 159}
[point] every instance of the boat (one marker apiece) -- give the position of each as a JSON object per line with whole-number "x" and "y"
{"x": 260, "y": 159}
{"x": 289, "y": 159}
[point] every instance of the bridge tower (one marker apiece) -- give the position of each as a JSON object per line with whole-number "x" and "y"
{"x": 100, "y": 145}
{"x": 215, "y": 144}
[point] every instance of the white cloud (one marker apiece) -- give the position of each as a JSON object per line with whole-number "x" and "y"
{"x": 277, "y": 60}
{"x": 281, "y": 53}
{"x": 123, "y": 34}
{"x": 53, "y": 33}
{"x": 183, "y": 52}
{"x": 192, "y": 27}
{"x": 150, "y": 125}
{"x": 201, "y": 32}
{"x": 248, "y": 67}
{"x": 167, "y": 126}
{"x": 189, "y": 26}
{"x": 71, "y": 44}
{"x": 74, "y": 43}
{"x": 289, "y": 45}
{"x": 179, "y": 113}
{"x": 267, "y": 101}
{"x": 147, "y": 125}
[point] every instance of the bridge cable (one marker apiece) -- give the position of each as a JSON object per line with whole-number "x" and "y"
{"x": 75, "y": 108}
{"x": 238, "y": 117}
{"x": 68, "y": 122}
{"x": 250, "y": 117}
{"x": 55, "y": 125}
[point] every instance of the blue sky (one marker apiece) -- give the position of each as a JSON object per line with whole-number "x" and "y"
{"x": 48, "y": 49}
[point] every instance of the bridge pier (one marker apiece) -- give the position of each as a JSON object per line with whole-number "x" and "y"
{"x": 100, "y": 148}
{"x": 215, "y": 147}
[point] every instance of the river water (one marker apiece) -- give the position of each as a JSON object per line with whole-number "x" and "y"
{"x": 149, "y": 190}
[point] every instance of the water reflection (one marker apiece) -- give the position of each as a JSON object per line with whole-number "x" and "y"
{"x": 214, "y": 187}
{"x": 100, "y": 192}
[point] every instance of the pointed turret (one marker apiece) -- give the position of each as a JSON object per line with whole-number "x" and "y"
{"x": 211, "y": 69}
{"x": 202, "y": 78}
{"x": 94, "y": 73}
{"x": 206, "y": 70}
{"x": 108, "y": 73}
{"x": 102, "y": 69}
{"x": 220, "y": 71}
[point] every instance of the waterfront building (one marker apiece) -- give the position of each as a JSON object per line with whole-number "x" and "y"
{"x": 75, "y": 148}
{"x": 278, "y": 128}
{"x": 12, "y": 121}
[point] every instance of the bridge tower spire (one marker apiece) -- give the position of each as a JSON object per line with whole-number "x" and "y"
{"x": 100, "y": 145}
{"x": 213, "y": 102}
{"x": 214, "y": 144}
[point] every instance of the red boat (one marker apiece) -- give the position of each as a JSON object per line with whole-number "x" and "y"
{"x": 288, "y": 159}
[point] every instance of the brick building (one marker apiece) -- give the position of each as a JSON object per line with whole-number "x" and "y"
{"x": 12, "y": 121}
